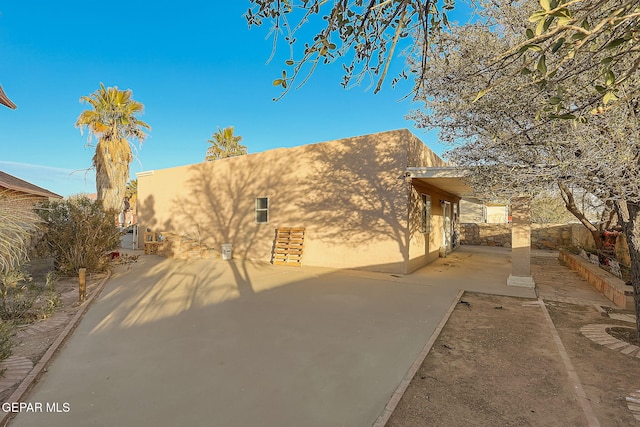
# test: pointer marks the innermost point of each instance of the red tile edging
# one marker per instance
(30, 380)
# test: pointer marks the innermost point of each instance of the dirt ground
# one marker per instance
(496, 364)
(32, 340)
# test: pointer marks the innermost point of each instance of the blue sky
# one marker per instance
(194, 65)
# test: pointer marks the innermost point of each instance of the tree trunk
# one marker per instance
(112, 174)
(570, 203)
(609, 215)
(630, 215)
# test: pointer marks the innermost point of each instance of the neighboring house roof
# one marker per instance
(12, 183)
(4, 100)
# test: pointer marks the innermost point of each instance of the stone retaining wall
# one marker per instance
(543, 236)
(485, 234)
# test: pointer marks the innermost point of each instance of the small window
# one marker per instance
(262, 210)
(426, 213)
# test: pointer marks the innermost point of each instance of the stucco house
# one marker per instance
(22, 193)
(354, 197)
(481, 212)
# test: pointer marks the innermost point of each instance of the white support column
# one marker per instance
(521, 244)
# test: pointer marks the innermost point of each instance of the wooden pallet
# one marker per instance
(288, 246)
(151, 243)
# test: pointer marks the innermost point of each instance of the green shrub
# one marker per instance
(79, 233)
(23, 300)
(16, 300)
(47, 298)
(52, 302)
(18, 307)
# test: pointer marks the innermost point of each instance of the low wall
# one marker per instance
(485, 234)
(607, 284)
(543, 236)
(581, 237)
(181, 247)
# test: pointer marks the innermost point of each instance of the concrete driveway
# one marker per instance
(233, 343)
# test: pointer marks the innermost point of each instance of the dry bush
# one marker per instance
(79, 233)
(18, 223)
(6, 340)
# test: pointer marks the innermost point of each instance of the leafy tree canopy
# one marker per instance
(364, 32)
(560, 38)
(566, 38)
(509, 146)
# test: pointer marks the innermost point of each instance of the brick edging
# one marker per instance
(597, 332)
(29, 381)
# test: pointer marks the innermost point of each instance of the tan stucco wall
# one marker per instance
(471, 212)
(497, 214)
(348, 194)
(420, 255)
(474, 213)
(424, 248)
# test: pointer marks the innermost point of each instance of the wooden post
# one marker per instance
(82, 280)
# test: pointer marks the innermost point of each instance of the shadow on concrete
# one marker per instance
(311, 346)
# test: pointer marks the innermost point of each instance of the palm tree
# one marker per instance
(113, 122)
(132, 191)
(225, 144)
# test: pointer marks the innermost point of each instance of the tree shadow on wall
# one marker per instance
(149, 218)
(357, 192)
(218, 207)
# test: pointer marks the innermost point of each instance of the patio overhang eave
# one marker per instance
(449, 179)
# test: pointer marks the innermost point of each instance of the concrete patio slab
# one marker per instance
(233, 343)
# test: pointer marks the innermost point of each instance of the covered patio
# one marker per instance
(450, 180)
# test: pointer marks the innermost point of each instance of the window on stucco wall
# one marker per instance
(426, 213)
(262, 210)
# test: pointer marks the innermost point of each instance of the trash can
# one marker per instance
(226, 251)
